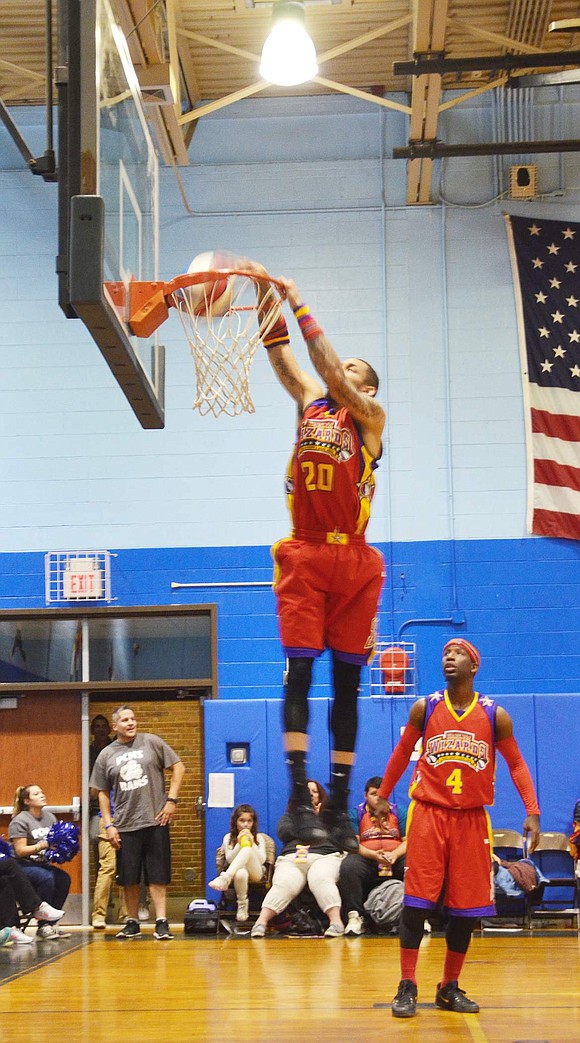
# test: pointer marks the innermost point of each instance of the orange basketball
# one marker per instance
(209, 298)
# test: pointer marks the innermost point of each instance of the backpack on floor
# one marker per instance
(384, 905)
(201, 917)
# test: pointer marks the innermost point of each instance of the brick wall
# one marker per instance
(179, 723)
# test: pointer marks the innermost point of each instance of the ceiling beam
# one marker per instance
(426, 64)
(437, 150)
(429, 34)
(485, 34)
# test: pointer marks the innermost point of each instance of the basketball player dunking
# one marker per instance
(327, 579)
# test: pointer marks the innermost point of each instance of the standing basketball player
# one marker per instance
(448, 830)
(327, 579)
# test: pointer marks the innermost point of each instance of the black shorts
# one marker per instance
(144, 854)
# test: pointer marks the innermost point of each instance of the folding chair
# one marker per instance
(553, 857)
(256, 892)
(508, 845)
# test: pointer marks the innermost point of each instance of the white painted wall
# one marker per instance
(308, 187)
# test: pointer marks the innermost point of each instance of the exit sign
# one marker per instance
(83, 580)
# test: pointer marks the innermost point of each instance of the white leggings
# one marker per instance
(320, 872)
(245, 867)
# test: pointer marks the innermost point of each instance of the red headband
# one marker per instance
(469, 648)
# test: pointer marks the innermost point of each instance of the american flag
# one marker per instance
(546, 268)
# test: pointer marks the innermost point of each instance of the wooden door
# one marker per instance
(40, 744)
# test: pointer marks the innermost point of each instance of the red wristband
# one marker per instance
(308, 325)
(277, 335)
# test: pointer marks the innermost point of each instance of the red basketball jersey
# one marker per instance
(330, 481)
(456, 768)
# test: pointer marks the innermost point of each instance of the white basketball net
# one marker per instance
(223, 346)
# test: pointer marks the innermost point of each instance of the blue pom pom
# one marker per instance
(5, 849)
(63, 842)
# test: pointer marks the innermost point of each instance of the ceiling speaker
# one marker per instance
(523, 182)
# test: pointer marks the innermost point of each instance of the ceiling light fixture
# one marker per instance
(289, 56)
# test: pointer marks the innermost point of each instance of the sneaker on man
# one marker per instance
(258, 930)
(131, 931)
(99, 923)
(451, 997)
(340, 827)
(356, 924)
(307, 825)
(404, 1004)
(162, 932)
(143, 913)
(48, 912)
(19, 937)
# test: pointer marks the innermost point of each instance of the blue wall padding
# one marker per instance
(543, 726)
(231, 722)
(508, 810)
(557, 718)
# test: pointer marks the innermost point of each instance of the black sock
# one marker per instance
(339, 783)
(296, 761)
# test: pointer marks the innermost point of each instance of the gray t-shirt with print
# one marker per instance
(33, 829)
(134, 773)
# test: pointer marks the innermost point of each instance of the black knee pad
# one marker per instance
(411, 927)
(458, 933)
(298, 681)
(344, 715)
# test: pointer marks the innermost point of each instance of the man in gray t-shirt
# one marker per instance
(130, 776)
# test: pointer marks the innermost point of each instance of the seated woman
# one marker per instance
(317, 865)
(245, 854)
(17, 896)
(27, 831)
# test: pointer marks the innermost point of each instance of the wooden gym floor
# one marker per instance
(94, 989)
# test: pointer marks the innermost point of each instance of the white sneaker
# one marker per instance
(243, 910)
(47, 932)
(427, 927)
(99, 923)
(258, 930)
(356, 924)
(143, 913)
(221, 883)
(48, 912)
(336, 930)
(18, 936)
(5, 935)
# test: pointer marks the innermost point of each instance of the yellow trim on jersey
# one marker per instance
(367, 477)
(409, 816)
(273, 552)
(460, 716)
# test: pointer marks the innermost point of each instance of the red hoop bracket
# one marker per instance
(149, 302)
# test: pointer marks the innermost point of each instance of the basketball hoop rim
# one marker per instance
(149, 302)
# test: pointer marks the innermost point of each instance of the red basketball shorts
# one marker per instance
(451, 850)
(328, 596)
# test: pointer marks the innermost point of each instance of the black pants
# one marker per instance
(16, 892)
(358, 877)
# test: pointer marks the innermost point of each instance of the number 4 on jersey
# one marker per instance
(455, 781)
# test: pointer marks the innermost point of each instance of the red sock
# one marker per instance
(409, 958)
(453, 966)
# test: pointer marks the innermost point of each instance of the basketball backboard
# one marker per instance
(108, 197)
